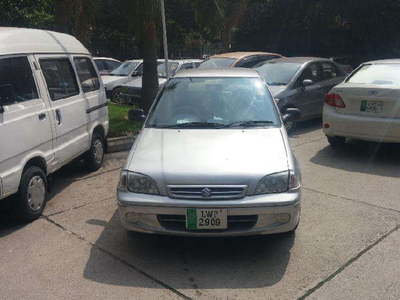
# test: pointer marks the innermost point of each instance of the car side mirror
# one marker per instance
(291, 115)
(136, 73)
(306, 82)
(136, 115)
(6, 96)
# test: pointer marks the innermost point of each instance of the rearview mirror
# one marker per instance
(307, 82)
(6, 95)
(291, 115)
(136, 115)
(136, 73)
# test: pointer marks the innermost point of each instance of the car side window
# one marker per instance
(111, 65)
(267, 57)
(312, 72)
(329, 71)
(60, 78)
(87, 74)
(17, 72)
(248, 62)
(187, 66)
(100, 65)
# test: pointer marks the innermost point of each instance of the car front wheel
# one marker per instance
(32, 194)
(116, 96)
(336, 141)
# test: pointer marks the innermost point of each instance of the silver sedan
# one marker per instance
(213, 159)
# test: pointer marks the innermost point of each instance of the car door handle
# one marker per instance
(42, 117)
(58, 116)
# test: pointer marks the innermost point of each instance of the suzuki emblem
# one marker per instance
(373, 92)
(206, 193)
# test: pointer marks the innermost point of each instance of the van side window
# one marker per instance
(60, 78)
(87, 74)
(17, 72)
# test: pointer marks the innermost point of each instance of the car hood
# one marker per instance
(208, 157)
(137, 82)
(276, 89)
(108, 79)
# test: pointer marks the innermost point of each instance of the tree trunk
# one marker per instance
(150, 76)
(60, 16)
(226, 39)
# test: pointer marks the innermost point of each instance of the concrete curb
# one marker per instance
(120, 143)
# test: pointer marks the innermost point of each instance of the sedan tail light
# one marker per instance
(334, 100)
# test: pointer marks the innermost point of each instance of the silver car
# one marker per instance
(213, 159)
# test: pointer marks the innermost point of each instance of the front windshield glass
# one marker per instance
(172, 67)
(278, 73)
(214, 103)
(216, 63)
(125, 69)
(377, 74)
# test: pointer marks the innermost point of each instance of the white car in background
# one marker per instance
(133, 89)
(106, 65)
(126, 72)
(366, 106)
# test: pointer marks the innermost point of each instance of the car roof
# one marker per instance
(384, 61)
(23, 40)
(238, 55)
(228, 72)
(106, 58)
(300, 60)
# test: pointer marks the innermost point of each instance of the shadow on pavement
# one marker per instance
(362, 157)
(306, 127)
(191, 263)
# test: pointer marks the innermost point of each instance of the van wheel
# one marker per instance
(336, 141)
(94, 157)
(116, 96)
(32, 194)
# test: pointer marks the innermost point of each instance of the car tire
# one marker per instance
(116, 96)
(32, 194)
(290, 126)
(94, 157)
(336, 141)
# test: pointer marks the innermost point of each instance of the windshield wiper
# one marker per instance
(249, 123)
(191, 124)
(276, 83)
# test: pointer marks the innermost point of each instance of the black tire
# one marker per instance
(116, 96)
(31, 189)
(290, 126)
(336, 141)
(94, 157)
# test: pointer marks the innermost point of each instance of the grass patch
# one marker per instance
(119, 122)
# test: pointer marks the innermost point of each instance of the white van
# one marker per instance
(53, 109)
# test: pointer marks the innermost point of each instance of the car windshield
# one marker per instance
(214, 103)
(125, 69)
(278, 73)
(377, 74)
(215, 63)
(172, 67)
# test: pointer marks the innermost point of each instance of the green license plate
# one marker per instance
(206, 218)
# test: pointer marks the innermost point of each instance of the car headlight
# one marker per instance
(279, 182)
(274, 183)
(138, 183)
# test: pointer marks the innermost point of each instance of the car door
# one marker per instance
(308, 99)
(25, 124)
(67, 105)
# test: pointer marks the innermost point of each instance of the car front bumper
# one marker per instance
(373, 129)
(252, 215)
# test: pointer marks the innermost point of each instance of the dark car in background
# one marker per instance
(237, 60)
(301, 82)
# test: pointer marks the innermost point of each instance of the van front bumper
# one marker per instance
(251, 215)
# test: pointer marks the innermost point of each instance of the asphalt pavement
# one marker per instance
(346, 247)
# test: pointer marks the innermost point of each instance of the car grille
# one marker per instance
(235, 223)
(207, 192)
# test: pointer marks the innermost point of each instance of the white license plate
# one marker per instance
(206, 218)
(372, 106)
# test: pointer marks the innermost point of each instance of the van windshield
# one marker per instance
(214, 103)
(125, 69)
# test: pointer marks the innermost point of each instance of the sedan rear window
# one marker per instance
(214, 102)
(275, 73)
(216, 63)
(377, 74)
